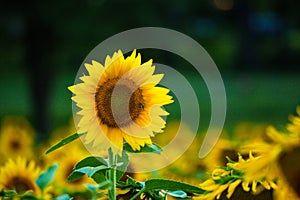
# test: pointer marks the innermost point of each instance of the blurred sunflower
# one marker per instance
(56, 136)
(249, 132)
(67, 161)
(188, 167)
(120, 101)
(16, 138)
(20, 175)
(288, 159)
(222, 149)
(170, 133)
(184, 164)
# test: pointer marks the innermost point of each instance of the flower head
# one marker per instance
(19, 175)
(120, 102)
(16, 138)
(67, 161)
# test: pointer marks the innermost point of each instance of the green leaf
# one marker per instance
(74, 176)
(164, 184)
(152, 148)
(64, 141)
(130, 184)
(91, 161)
(90, 171)
(95, 187)
(177, 193)
(122, 168)
(8, 193)
(45, 178)
(28, 197)
(99, 177)
(105, 185)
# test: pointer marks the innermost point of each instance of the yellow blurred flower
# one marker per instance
(247, 131)
(222, 149)
(16, 138)
(104, 96)
(20, 175)
(69, 157)
(169, 133)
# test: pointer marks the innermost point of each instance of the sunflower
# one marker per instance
(222, 149)
(120, 102)
(248, 131)
(288, 159)
(239, 184)
(188, 167)
(16, 138)
(280, 157)
(272, 174)
(20, 175)
(66, 162)
(260, 169)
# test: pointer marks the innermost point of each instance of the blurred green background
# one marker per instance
(255, 44)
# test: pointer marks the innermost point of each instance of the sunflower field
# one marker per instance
(254, 161)
(149, 100)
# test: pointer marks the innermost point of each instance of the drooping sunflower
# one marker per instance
(238, 179)
(20, 175)
(119, 102)
(16, 138)
(288, 159)
(272, 174)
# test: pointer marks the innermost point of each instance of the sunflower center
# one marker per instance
(118, 102)
(20, 184)
(15, 144)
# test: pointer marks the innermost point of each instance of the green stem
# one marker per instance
(112, 161)
(137, 194)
